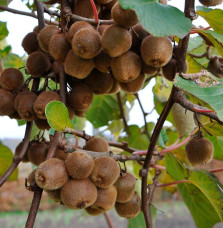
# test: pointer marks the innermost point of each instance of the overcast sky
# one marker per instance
(19, 26)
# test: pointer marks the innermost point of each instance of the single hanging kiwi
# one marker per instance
(6, 104)
(30, 43)
(97, 144)
(11, 79)
(18, 150)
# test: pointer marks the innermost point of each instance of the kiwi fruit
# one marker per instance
(100, 83)
(11, 79)
(30, 43)
(37, 152)
(38, 63)
(51, 174)
(116, 40)
(105, 199)
(138, 33)
(125, 186)
(97, 144)
(78, 194)
(59, 46)
(80, 97)
(31, 179)
(79, 165)
(83, 8)
(215, 66)
(60, 154)
(94, 211)
(102, 62)
(42, 101)
(122, 17)
(45, 35)
(75, 27)
(102, 28)
(164, 2)
(80, 113)
(54, 194)
(148, 69)
(105, 14)
(15, 115)
(184, 121)
(156, 51)
(18, 98)
(115, 87)
(210, 2)
(42, 124)
(25, 108)
(110, 4)
(105, 173)
(126, 67)
(199, 150)
(17, 152)
(6, 104)
(102, 2)
(129, 209)
(133, 86)
(86, 43)
(77, 67)
(1, 66)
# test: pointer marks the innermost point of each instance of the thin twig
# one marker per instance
(5, 8)
(144, 115)
(173, 183)
(216, 170)
(108, 219)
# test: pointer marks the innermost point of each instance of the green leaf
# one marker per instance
(161, 91)
(214, 193)
(79, 122)
(194, 42)
(5, 51)
(3, 30)
(215, 38)
(116, 126)
(13, 60)
(138, 221)
(136, 139)
(211, 95)
(214, 19)
(175, 167)
(203, 213)
(6, 157)
(104, 109)
(21, 122)
(193, 65)
(163, 138)
(153, 17)
(58, 116)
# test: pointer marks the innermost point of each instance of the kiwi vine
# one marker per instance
(100, 48)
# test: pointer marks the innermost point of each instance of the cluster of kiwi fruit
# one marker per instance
(81, 182)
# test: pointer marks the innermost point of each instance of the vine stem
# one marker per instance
(216, 170)
(108, 219)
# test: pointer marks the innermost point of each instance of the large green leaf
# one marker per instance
(136, 139)
(215, 38)
(214, 19)
(3, 30)
(162, 91)
(211, 95)
(13, 60)
(153, 17)
(58, 116)
(203, 213)
(174, 167)
(6, 157)
(104, 109)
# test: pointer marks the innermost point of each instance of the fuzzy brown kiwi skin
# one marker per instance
(199, 150)
(11, 79)
(129, 209)
(78, 194)
(51, 174)
(75, 27)
(45, 35)
(18, 98)
(38, 63)
(105, 173)
(86, 43)
(42, 124)
(94, 211)
(124, 18)
(42, 101)
(80, 97)
(133, 86)
(148, 69)
(97, 144)
(30, 43)
(77, 67)
(79, 165)
(25, 108)
(103, 62)
(6, 104)
(126, 67)
(156, 51)
(37, 152)
(54, 195)
(100, 83)
(125, 186)
(115, 87)
(116, 40)
(210, 2)
(18, 150)
(59, 47)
